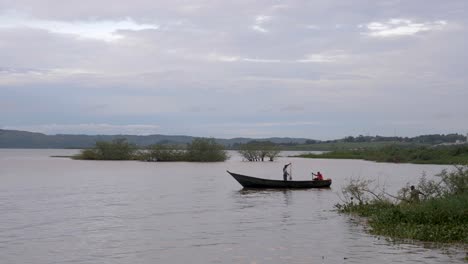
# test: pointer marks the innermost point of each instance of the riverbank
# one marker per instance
(437, 220)
(401, 154)
(441, 215)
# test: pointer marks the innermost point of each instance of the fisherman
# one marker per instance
(414, 194)
(319, 176)
(285, 172)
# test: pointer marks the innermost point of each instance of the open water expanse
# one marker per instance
(58, 210)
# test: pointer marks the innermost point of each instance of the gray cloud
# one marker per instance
(184, 65)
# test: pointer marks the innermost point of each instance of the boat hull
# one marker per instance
(252, 182)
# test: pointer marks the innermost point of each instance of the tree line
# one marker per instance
(433, 139)
(455, 154)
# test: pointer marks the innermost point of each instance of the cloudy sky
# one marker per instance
(315, 69)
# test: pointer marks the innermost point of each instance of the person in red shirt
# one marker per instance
(318, 177)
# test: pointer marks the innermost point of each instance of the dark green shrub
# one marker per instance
(164, 153)
(205, 150)
(117, 149)
(442, 215)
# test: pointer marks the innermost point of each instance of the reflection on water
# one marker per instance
(255, 198)
(63, 211)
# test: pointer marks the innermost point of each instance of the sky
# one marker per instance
(313, 69)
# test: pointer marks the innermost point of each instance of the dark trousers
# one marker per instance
(285, 176)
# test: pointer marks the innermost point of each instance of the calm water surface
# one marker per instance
(57, 210)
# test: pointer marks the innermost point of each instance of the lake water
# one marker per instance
(58, 210)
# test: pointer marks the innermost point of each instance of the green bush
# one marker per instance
(117, 149)
(205, 150)
(442, 220)
(88, 154)
(165, 153)
(200, 150)
(442, 216)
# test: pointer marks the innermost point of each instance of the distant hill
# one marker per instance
(24, 139)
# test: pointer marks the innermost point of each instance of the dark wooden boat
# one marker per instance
(252, 182)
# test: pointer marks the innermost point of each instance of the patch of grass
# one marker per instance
(340, 145)
(402, 154)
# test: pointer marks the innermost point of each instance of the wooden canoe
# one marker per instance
(252, 182)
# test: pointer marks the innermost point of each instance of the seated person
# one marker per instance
(319, 176)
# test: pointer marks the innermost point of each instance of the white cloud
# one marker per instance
(281, 124)
(106, 30)
(259, 29)
(23, 76)
(262, 19)
(323, 57)
(400, 27)
(261, 60)
(227, 58)
(21, 71)
(259, 22)
(222, 58)
(328, 56)
(267, 124)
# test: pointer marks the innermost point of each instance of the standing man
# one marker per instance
(414, 194)
(285, 172)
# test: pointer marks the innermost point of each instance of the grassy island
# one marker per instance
(200, 150)
(435, 210)
(456, 154)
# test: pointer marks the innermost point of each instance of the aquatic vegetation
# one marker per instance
(200, 150)
(457, 154)
(440, 216)
(117, 149)
(259, 150)
(204, 150)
